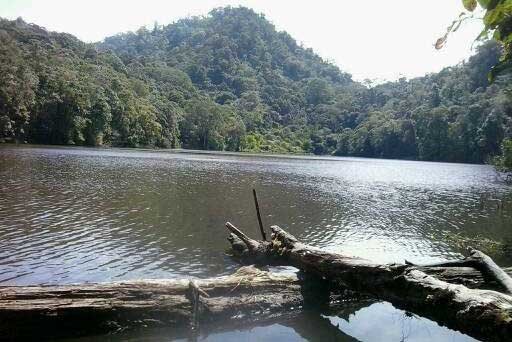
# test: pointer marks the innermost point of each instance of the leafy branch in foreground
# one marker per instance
(497, 20)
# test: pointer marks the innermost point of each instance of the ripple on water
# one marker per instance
(72, 215)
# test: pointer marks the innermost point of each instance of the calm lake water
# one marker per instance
(71, 215)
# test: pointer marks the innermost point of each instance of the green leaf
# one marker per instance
(488, 4)
(470, 5)
(497, 35)
(496, 16)
(484, 3)
(506, 40)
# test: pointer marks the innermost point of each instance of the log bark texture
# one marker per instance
(256, 295)
(481, 313)
(28, 311)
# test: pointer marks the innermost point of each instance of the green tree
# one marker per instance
(433, 135)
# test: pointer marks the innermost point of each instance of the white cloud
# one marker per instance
(370, 38)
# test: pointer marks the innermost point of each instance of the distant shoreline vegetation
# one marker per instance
(180, 150)
(230, 82)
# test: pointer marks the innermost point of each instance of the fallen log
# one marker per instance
(105, 307)
(481, 262)
(484, 314)
(462, 274)
(249, 294)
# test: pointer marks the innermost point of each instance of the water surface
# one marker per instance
(72, 215)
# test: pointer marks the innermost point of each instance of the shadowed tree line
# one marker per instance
(230, 81)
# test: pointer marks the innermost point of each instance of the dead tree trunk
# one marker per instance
(251, 294)
(35, 311)
(484, 314)
(74, 310)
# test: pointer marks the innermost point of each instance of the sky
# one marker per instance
(371, 39)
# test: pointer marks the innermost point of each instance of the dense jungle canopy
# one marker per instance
(231, 81)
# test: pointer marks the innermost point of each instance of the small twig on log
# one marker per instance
(263, 235)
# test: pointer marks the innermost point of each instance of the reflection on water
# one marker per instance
(357, 322)
(71, 215)
(382, 322)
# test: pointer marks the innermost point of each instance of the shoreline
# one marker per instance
(296, 156)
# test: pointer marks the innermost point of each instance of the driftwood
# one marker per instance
(482, 313)
(258, 215)
(251, 295)
(481, 262)
(94, 308)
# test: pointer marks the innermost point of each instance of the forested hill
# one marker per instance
(230, 81)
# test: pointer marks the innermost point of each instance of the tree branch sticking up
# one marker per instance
(480, 313)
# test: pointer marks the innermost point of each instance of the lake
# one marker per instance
(71, 215)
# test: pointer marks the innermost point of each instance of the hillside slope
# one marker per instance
(230, 81)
